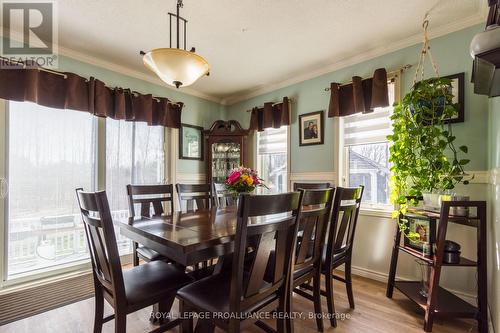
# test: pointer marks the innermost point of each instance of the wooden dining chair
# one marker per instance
(126, 291)
(221, 196)
(151, 199)
(314, 219)
(240, 292)
(310, 186)
(340, 239)
(194, 193)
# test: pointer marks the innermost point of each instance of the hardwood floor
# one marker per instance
(374, 313)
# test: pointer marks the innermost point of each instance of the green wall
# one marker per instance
(452, 55)
(197, 111)
(494, 212)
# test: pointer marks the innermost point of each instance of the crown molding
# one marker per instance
(92, 60)
(476, 18)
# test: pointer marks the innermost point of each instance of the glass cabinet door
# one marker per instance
(225, 157)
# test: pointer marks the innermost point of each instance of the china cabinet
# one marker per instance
(226, 143)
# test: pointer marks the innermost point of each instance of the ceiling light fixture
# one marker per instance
(175, 66)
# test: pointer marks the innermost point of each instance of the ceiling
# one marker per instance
(253, 44)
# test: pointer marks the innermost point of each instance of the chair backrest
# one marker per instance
(313, 222)
(346, 205)
(310, 186)
(276, 233)
(221, 196)
(150, 196)
(101, 241)
(194, 193)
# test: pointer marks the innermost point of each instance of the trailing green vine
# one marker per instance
(423, 153)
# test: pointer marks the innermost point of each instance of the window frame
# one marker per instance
(255, 156)
(79, 266)
(379, 210)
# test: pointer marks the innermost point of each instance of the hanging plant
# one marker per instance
(423, 153)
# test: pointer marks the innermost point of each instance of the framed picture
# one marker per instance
(457, 89)
(191, 142)
(425, 227)
(311, 128)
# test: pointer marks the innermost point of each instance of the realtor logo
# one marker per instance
(29, 32)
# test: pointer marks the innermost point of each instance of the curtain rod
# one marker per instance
(289, 101)
(19, 62)
(401, 69)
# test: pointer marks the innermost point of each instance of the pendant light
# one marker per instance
(175, 66)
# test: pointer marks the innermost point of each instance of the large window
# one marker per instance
(272, 158)
(134, 155)
(366, 153)
(50, 153)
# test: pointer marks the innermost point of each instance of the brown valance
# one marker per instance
(70, 91)
(362, 95)
(271, 115)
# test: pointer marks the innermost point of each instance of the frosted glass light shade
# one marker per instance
(176, 67)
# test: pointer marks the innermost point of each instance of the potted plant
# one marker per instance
(425, 160)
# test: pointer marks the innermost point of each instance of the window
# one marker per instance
(366, 153)
(272, 158)
(134, 155)
(50, 153)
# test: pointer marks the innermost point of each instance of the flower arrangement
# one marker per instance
(243, 180)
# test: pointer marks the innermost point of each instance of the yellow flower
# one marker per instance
(249, 180)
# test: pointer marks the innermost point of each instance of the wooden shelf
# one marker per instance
(463, 220)
(430, 260)
(441, 301)
(447, 303)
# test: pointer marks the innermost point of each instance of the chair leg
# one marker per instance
(99, 310)
(186, 320)
(162, 309)
(317, 300)
(234, 326)
(135, 257)
(329, 297)
(348, 283)
(120, 322)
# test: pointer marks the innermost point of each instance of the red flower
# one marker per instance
(256, 180)
(233, 177)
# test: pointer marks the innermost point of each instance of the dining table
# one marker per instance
(186, 238)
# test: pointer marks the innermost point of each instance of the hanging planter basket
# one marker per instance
(425, 161)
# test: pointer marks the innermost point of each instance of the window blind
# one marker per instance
(370, 127)
(272, 141)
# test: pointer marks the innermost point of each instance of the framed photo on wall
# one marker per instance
(457, 89)
(311, 128)
(191, 142)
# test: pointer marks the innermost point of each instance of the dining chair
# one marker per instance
(194, 193)
(221, 196)
(339, 243)
(311, 186)
(126, 291)
(239, 292)
(313, 222)
(151, 199)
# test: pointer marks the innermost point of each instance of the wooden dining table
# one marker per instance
(191, 237)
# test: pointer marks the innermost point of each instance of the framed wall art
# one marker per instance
(191, 142)
(311, 128)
